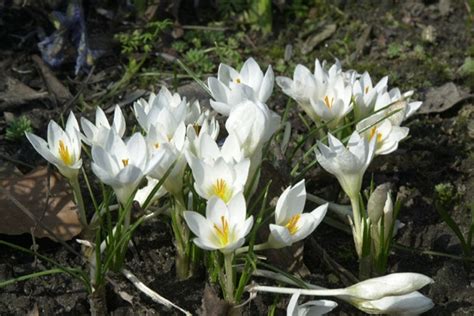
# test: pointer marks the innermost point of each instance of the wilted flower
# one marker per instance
(121, 165)
(291, 224)
(95, 134)
(63, 148)
(225, 226)
(232, 87)
(347, 164)
(311, 308)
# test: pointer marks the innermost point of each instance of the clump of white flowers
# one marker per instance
(178, 162)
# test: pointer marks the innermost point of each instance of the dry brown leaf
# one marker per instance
(32, 190)
(440, 99)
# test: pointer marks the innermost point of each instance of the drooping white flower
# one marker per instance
(413, 303)
(291, 224)
(219, 178)
(225, 226)
(347, 163)
(311, 308)
(231, 87)
(95, 134)
(205, 148)
(386, 134)
(366, 94)
(388, 285)
(122, 165)
(63, 148)
(253, 124)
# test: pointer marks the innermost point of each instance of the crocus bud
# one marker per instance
(377, 200)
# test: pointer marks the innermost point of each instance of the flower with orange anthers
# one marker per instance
(63, 148)
(219, 178)
(380, 127)
(291, 224)
(225, 226)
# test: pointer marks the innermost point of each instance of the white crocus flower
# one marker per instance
(347, 163)
(301, 88)
(219, 178)
(94, 134)
(413, 303)
(253, 124)
(63, 148)
(149, 112)
(291, 224)
(231, 87)
(164, 152)
(225, 226)
(205, 148)
(386, 99)
(366, 94)
(311, 308)
(386, 134)
(331, 100)
(121, 164)
(387, 285)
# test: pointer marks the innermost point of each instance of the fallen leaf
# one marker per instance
(60, 214)
(313, 41)
(440, 99)
(17, 93)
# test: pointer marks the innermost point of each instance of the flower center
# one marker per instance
(292, 224)
(197, 128)
(157, 145)
(237, 80)
(328, 102)
(223, 231)
(366, 90)
(125, 162)
(221, 190)
(64, 154)
(373, 132)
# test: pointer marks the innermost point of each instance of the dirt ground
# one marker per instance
(421, 45)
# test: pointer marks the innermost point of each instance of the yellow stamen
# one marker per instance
(223, 231)
(221, 190)
(66, 157)
(197, 128)
(237, 80)
(157, 145)
(327, 102)
(125, 162)
(292, 224)
(366, 89)
(373, 132)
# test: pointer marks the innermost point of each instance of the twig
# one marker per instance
(150, 293)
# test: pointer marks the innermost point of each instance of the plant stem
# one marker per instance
(181, 239)
(76, 188)
(343, 211)
(229, 273)
(258, 247)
